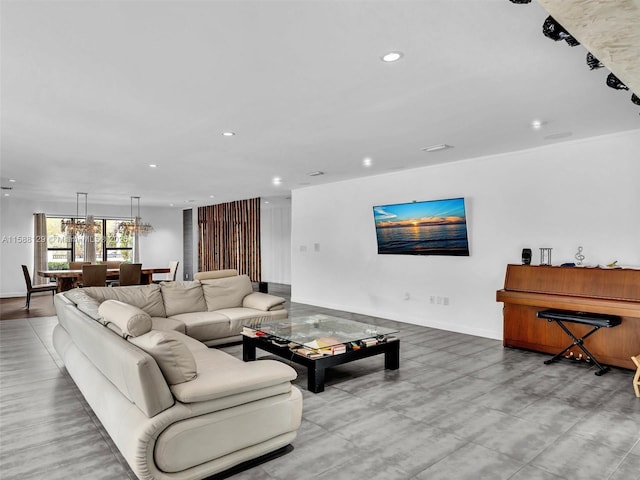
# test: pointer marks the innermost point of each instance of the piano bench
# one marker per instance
(596, 320)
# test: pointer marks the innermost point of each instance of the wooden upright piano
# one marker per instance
(529, 289)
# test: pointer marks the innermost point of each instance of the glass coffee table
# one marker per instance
(319, 342)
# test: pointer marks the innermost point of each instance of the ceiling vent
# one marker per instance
(436, 148)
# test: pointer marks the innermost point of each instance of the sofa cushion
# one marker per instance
(204, 326)
(226, 292)
(145, 297)
(215, 274)
(244, 317)
(221, 375)
(84, 302)
(182, 297)
(170, 353)
(162, 323)
(263, 301)
(131, 320)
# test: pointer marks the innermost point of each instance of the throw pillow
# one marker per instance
(131, 320)
(182, 297)
(226, 292)
(172, 356)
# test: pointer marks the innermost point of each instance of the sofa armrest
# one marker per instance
(217, 381)
(263, 301)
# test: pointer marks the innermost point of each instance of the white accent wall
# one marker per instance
(582, 193)
(156, 250)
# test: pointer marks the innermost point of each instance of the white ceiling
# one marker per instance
(95, 91)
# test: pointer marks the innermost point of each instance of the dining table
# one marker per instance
(66, 279)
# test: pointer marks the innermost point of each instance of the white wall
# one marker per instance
(156, 250)
(583, 193)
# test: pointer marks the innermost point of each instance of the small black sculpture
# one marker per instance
(614, 82)
(593, 62)
(557, 32)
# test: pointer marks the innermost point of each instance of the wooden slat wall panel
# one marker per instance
(230, 237)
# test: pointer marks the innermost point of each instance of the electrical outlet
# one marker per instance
(439, 300)
(445, 301)
(407, 296)
(432, 299)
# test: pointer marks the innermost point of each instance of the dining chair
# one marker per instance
(171, 276)
(77, 265)
(130, 274)
(94, 276)
(112, 264)
(37, 288)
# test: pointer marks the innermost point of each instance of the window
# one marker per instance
(118, 246)
(109, 243)
(59, 247)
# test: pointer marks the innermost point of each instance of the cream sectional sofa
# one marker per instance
(176, 409)
(211, 309)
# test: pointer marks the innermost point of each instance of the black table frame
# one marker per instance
(316, 366)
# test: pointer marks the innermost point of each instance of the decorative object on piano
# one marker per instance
(579, 256)
(545, 256)
(526, 256)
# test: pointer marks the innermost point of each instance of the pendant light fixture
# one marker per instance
(135, 226)
(78, 225)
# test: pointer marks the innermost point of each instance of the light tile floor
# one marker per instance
(460, 407)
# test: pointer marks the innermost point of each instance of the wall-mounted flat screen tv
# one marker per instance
(435, 227)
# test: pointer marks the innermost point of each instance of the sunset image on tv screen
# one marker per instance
(436, 227)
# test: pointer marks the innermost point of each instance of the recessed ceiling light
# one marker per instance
(315, 174)
(435, 148)
(212, 196)
(537, 124)
(153, 165)
(367, 162)
(6, 195)
(12, 180)
(228, 134)
(277, 180)
(391, 57)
